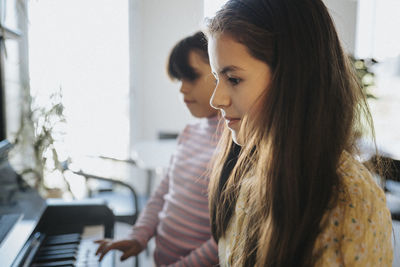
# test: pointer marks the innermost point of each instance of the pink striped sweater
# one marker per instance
(177, 213)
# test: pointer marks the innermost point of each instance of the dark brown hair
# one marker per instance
(178, 63)
(308, 116)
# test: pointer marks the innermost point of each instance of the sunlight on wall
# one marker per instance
(82, 47)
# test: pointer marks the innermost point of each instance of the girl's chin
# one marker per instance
(235, 138)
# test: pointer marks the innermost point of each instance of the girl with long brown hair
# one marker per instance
(288, 191)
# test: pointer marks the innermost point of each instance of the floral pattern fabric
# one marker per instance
(359, 228)
(357, 232)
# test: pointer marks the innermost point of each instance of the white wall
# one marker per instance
(155, 26)
(344, 14)
(378, 23)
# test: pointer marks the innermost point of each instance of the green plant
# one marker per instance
(39, 133)
(365, 75)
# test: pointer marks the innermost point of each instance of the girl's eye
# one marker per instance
(234, 81)
(195, 76)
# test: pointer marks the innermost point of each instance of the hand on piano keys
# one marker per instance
(128, 247)
(72, 249)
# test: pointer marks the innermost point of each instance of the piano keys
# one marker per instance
(47, 242)
(41, 233)
(74, 249)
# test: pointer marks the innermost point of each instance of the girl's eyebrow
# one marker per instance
(229, 68)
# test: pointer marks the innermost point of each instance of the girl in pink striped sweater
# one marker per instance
(177, 213)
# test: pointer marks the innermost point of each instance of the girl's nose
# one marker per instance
(220, 98)
(185, 87)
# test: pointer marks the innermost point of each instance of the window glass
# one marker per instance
(82, 47)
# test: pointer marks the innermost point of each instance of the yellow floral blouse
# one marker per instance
(358, 230)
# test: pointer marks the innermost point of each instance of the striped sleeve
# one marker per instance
(146, 225)
(177, 214)
(205, 255)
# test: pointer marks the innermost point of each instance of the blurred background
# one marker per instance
(104, 62)
(84, 85)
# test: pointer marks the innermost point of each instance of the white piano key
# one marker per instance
(86, 254)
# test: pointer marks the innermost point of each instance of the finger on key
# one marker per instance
(102, 244)
(106, 250)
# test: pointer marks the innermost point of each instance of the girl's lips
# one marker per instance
(232, 121)
(189, 101)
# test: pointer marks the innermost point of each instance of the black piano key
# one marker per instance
(61, 242)
(55, 264)
(57, 257)
(59, 247)
(73, 235)
(58, 237)
(50, 238)
(57, 251)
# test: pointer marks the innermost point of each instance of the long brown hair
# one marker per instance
(306, 119)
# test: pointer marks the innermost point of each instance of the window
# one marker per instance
(82, 47)
(12, 46)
